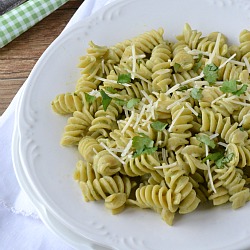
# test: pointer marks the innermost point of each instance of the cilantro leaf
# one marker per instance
(143, 145)
(111, 90)
(240, 91)
(120, 101)
(213, 156)
(223, 160)
(196, 93)
(176, 67)
(105, 100)
(231, 87)
(183, 88)
(158, 125)
(210, 73)
(198, 64)
(124, 78)
(132, 102)
(89, 98)
(206, 140)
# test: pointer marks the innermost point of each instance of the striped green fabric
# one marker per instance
(23, 17)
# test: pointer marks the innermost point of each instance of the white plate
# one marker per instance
(48, 167)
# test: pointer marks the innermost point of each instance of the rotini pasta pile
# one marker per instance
(160, 124)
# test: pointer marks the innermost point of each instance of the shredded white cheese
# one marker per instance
(191, 109)
(127, 148)
(247, 63)
(129, 122)
(108, 149)
(193, 79)
(240, 103)
(228, 60)
(139, 116)
(133, 62)
(138, 76)
(213, 136)
(175, 119)
(209, 170)
(218, 98)
(177, 102)
(215, 50)
(166, 166)
(222, 144)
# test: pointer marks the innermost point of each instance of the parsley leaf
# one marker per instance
(210, 73)
(213, 156)
(198, 64)
(143, 145)
(176, 67)
(196, 93)
(111, 90)
(206, 140)
(223, 160)
(105, 100)
(120, 101)
(132, 102)
(158, 125)
(183, 88)
(89, 98)
(231, 87)
(124, 78)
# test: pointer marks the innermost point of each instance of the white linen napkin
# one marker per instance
(20, 226)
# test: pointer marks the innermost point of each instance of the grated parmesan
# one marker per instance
(247, 63)
(209, 171)
(108, 149)
(228, 60)
(175, 119)
(166, 166)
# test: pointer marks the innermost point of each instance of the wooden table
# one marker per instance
(18, 57)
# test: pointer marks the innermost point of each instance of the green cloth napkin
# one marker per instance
(23, 17)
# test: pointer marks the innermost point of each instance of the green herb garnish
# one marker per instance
(214, 156)
(111, 90)
(132, 102)
(89, 98)
(120, 101)
(124, 78)
(176, 67)
(143, 145)
(183, 88)
(231, 87)
(196, 93)
(105, 100)
(198, 64)
(158, 125)
(210, 73)
(224, 160)
(206, 140)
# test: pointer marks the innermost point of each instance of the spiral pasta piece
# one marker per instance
(157, 198)
(106, 164)
(113, 190)
(179, 132)
(183, 194)
(215, 123)
(140, 165)
(241, 155)
(88, 146)
(67, 103)
(233, 181)
(105, 121)
(84, 171)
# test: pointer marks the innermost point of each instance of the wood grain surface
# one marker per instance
(18, 57)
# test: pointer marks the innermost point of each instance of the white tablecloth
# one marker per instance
(20, 226)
